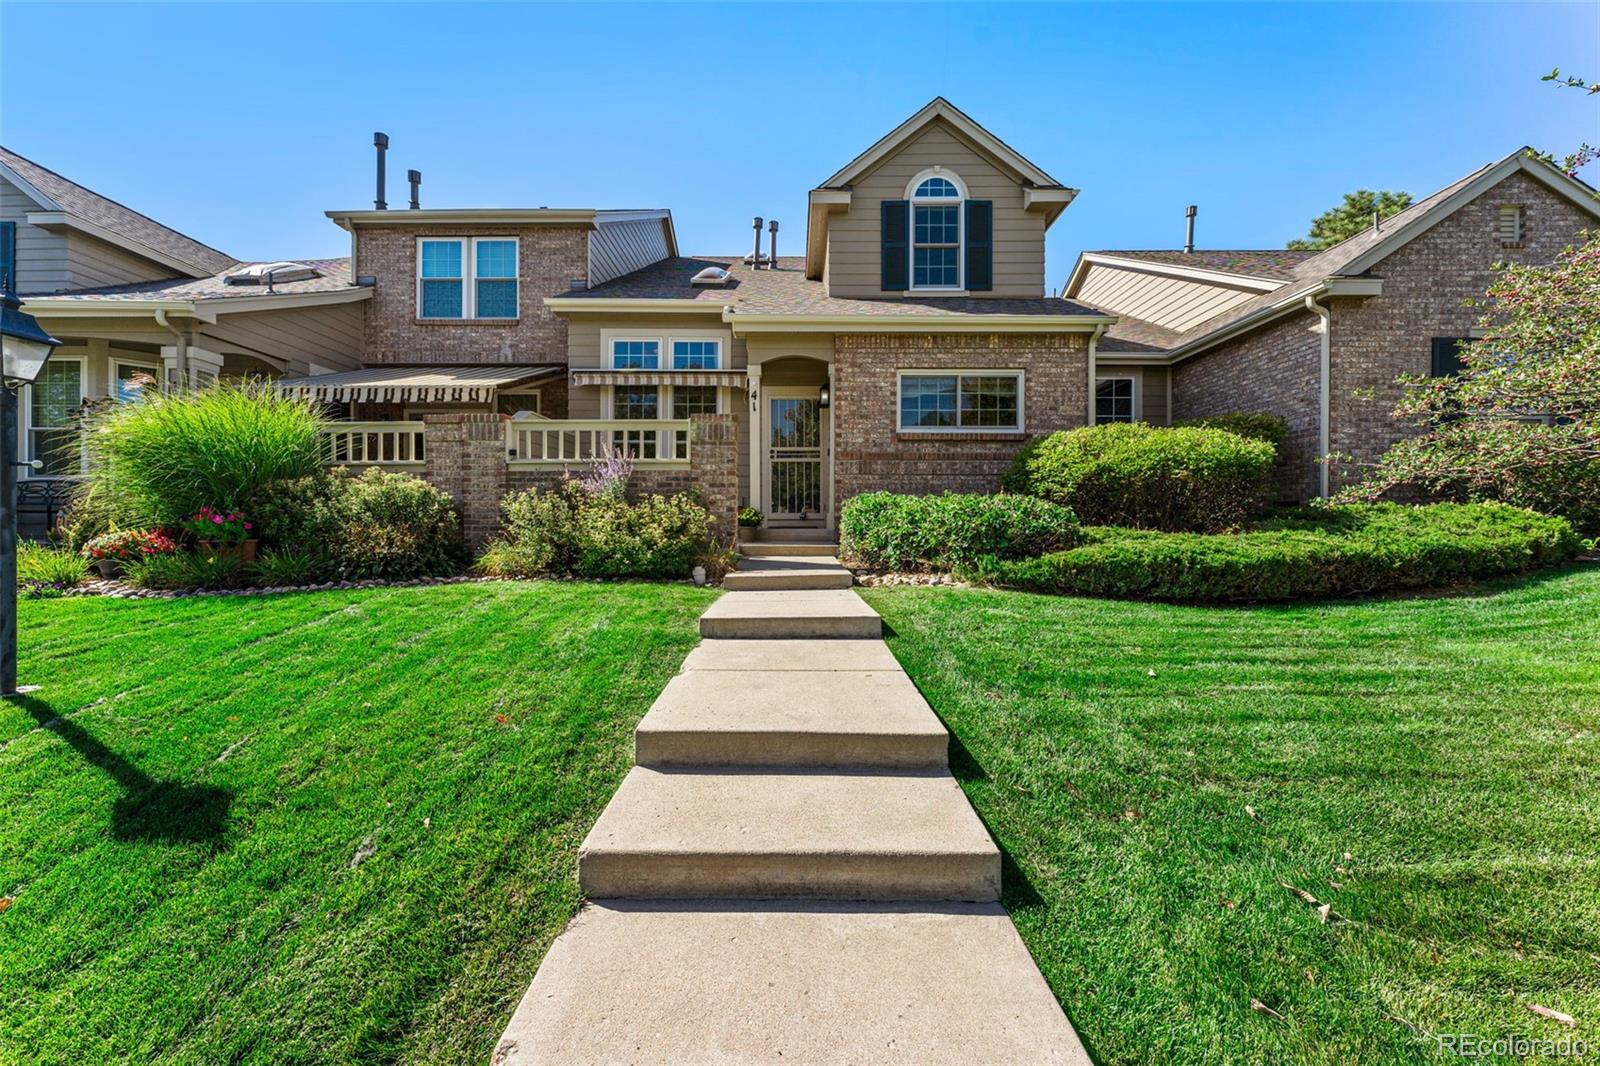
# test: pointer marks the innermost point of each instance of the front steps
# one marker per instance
(734, 982)
(734, 833)
(790, 873)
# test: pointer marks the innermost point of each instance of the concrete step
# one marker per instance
(735, 982)
(775, 615)
(806, 655)
(780, 530)
(736, 718)
(788, 572)
(818, 835)
(765, 549)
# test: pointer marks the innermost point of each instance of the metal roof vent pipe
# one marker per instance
(772, 245)
(380, 141)
(415, 178)
(755, 253)
(1188, 237)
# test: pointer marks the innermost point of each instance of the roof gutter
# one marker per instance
(1324, 365)
(181, 357)
(1094, 343)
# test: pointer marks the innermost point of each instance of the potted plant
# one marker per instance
(750, 518)
(222, 533)
(107, 552)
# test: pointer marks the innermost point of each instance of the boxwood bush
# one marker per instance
(1145, 477)
(1251, 425)
(889, 531)
(1308, 553)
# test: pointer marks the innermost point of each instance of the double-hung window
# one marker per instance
(635, 355)
(1113, 400)
(961, 401)
(54, 401)
(696, 355)
(688, 400)
(467, 277)
(936, 234)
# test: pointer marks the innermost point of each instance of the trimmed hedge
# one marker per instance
(888, 531)
(1309, 553)
(1256, 425)
(1145, 477)
(597, 534)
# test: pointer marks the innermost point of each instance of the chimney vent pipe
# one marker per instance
(415, 178)
(755, 255)
(1188, 237)
(772, 245)
(380, 141)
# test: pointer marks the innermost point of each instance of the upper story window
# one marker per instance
(635, 355)
(467, 277)
(696, 355)
(936, 231)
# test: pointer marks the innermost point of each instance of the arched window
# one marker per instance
(936, 238)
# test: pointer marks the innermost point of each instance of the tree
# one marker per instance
(1520, 422)
(1573, 161)
(1351, 217)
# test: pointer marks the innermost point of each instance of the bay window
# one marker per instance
(958, 401)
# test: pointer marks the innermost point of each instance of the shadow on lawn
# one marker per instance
(148, 810)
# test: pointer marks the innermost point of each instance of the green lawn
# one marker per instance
(1429, 767)
(329, 827)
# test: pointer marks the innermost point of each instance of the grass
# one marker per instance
(1429, 767)
(329, 827)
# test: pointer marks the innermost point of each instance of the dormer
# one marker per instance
(939, 207)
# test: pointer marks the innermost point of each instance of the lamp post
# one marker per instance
(25, 348)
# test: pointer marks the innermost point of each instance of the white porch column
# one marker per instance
(204, 366)
(827, 504)
(753, 372)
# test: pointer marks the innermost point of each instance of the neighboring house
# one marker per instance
(135, 301)
(1320, 337)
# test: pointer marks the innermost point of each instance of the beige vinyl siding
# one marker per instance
(1176, 303)
(328, 336)
(41, 255)
(92, 263)
(853, 237)
(1155, 409)
(618, 248)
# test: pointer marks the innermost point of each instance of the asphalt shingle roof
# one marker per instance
(124, 221)
(1272, 264)
(787, 291)
(332, 275)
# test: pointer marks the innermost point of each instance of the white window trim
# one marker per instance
(117, 363)
(608, 401)
(988, 372)
(611, 354)
(469, 277)
(1137, 390)
(537, 394)
(961, 228)
(671, 356)
(25, 419)
(665, 340)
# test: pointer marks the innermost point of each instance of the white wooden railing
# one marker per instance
(374, 444)
(648, 442)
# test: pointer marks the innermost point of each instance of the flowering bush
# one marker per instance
(608, 477)
(128, 544)
(210, 524)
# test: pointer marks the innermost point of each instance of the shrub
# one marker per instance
(1252, 426)
(658, 536)
(128, 544)
(597, 534)
(888, 531)
(165, 456)
(42, 570)
(749, 516)
(1132, 474)
(89, 514)
(1305, 554)
(398, 526)
(185, 570)
(283, 566)
(303, 514)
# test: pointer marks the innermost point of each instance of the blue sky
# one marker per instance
(240, 124)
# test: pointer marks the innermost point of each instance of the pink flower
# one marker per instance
(217, 519)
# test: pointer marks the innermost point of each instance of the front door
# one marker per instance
(794, 454)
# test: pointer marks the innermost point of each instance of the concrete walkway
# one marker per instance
(789, 873)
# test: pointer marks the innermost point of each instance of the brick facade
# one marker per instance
(1425, 284)
(871, 454)
(1274, 369)
(466, 458)
(549, 258)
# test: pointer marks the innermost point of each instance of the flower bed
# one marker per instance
(1310, 553)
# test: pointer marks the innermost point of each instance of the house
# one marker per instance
(1320, 337)
(135, 301)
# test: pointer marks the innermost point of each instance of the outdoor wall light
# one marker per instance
(824, 397)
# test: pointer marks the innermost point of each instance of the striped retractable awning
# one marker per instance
(728, 379)
(415, 384)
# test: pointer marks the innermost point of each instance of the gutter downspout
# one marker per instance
(181, 361)
(1094, 344)
(1323, 369)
